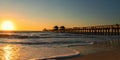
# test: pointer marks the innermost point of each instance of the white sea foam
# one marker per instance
(60, 53)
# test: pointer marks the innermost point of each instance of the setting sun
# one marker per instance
(7, 25)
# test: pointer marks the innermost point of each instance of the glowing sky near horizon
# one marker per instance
(39, 14)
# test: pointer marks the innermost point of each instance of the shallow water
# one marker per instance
(19, 52)
(40, 45)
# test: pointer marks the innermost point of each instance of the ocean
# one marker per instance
(46, 45)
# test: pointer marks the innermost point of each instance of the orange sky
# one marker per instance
(31, 25)
(23, 25)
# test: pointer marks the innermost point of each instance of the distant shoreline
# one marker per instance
(19, 31)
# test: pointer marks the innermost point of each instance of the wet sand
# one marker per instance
(113, 54)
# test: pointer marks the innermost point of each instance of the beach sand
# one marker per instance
(113, 54)
(109, 50)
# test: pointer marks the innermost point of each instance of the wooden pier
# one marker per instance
(96, 30)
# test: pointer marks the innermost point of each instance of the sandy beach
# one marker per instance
(113, 54)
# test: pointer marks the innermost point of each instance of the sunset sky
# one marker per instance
(39, 14)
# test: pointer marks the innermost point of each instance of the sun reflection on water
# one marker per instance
(10, 52)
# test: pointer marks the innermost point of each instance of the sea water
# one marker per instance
(43, 45)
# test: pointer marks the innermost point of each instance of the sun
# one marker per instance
(7, 25)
